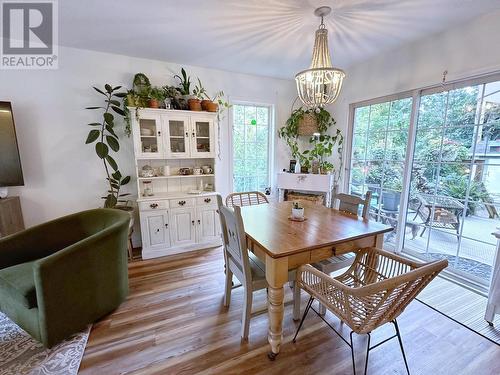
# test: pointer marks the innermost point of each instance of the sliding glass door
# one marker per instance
(380, 140)
(432, 163)
(454, 192)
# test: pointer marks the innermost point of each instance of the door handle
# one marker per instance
(194, 135)
(157, 230)
(153, 205)
(166, 225)
(208, 200)
(182, 203)
(192, 221)
(199, 222)
(159, 133)
(187, 134)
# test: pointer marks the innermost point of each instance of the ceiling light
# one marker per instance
(321, 83)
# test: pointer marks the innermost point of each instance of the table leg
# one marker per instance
(276, 276)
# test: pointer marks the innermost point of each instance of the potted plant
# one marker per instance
(172, 96)
(297, 211)
(156, 97)
(199, 93)
(326, 167)
(391, 193)
(184, 87)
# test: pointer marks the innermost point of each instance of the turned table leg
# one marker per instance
(276, 276)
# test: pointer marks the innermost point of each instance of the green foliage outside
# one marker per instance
(444, 142)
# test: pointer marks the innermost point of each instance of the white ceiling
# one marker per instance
(265, 37)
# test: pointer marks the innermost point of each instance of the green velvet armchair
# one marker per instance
(57, 277)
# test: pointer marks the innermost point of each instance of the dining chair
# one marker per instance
(351, 205)
(243, 264)
(375, 290)
(248, 198)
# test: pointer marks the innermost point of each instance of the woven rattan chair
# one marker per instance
(248, 198)
(373, 291)
(248, 269)
(349, 204)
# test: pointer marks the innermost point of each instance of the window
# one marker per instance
(431, 159)
(252, 131)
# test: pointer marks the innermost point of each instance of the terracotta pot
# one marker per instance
(204, 103)
(212, 107)
(194, 104)
(154, 103)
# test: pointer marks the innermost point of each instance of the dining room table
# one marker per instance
(283, 245)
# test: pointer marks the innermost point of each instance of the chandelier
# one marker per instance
(321, 83)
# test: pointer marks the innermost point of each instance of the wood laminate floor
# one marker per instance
(174, 322)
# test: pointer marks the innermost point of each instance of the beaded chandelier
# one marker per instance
(321, 83)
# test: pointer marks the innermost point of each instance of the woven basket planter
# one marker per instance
(308, 125)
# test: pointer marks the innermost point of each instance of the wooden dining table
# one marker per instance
(285, 245)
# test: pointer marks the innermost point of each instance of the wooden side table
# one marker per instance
(11, 216)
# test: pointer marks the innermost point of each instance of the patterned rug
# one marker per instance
(20, 354)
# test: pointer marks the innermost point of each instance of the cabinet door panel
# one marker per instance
(183, 226)
(154, 228)
(177, 136)
(208, 224)
(202, 137)
(148, 136)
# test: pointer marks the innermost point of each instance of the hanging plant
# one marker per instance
(323, 145)
(106, 141)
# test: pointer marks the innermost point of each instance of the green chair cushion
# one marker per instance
(18, 283)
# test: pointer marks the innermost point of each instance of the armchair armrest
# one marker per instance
(82, 282)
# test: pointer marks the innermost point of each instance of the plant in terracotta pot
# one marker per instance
(199, 93)
(156, 97)
(173, 95)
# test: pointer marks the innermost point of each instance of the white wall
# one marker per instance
(471, 49)
(62, 174)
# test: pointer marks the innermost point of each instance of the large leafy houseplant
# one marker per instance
(106, 141)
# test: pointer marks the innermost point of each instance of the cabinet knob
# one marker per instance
(194, 135)
(187, 134)
(192, 222)
(159, 133)
(157, 230)
(182, 203)
(199, 221)
(153, 205)
(208, 200)
(166, 225)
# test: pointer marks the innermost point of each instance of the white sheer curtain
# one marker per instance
(493, 306)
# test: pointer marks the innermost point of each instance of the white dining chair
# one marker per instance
(241, 263)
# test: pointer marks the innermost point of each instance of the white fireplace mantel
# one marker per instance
(314, 183)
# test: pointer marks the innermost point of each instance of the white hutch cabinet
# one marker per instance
(181, 214)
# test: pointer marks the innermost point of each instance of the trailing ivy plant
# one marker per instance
(106, 141)
(323, 145)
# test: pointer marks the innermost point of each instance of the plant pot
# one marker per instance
(154, 103)
(326, 171)
(304, 169)
(390, 200)
(194, 104)
(131, 100)
(204, 103)
(212, 107)
(308, 125)
(298, 213)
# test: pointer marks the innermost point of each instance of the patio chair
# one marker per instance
(349, 204)
(375, 290)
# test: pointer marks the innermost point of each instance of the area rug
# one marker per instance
(22, 355)
(461, 305)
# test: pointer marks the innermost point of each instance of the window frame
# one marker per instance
(271, 139)
(416, 95)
